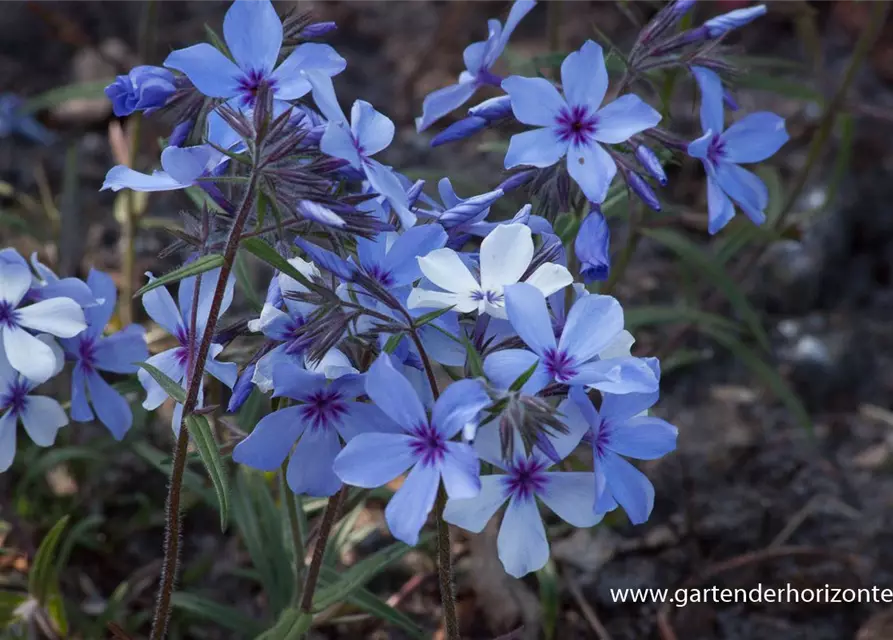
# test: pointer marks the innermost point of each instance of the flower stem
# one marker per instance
(173, 516)
(445, 569)
(329, 516)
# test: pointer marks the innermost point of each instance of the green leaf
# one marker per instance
(566, 227)
(43, 578)
(521, 380)
(393, 342)
(645, 316)
(194, 268)
(766, 373)
(191, 480)
(473, 360)
(222, 615)
(549, 598)
(54, 97)
(170, 387)
(691, 254)
(200, 430)
(243, 279)
(268, 254)
(201, 199)
(53, 458)
(292, 625)
(367, 601)
(9, 602)
(430, 317)
(359, 574)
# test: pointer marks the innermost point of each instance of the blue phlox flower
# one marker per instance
(92, 352)
(621, 428)
(592, 246)
(144, 88)
(14, 120)
(41, 416)
(46, 284)
(175, 363)
(593, 323)
(61, 317)
(752, 139)
(575, 124)
(457, 214)
(181, 168)
(479, 57)
(368, 133)
(328, 414)
(505, 256)
(522, 544)
(424, 444)
(253, 34)
(392, 258)
(722, 24)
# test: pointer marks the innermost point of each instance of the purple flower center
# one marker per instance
(576, 125)
(378, 273)
(559, 364)
(8, 314)
(490, 297)
(15, 398)
(526, 477)
(716, 151)
(601, 438)
(250, 83)
(429, 445)
(87, 353)
(182, 352)
(323, 408)
(298, 342)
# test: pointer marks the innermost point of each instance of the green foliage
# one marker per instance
(54, 97)
(200, 430)
(194, 268)
(263, 251)
(171, 388)
(550, 598)
(221, 615)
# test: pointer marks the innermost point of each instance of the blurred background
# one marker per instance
(784, 472)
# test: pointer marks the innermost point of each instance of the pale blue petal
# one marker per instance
(16, 280)
(527, 311)
(271, 440)
(169, 363)
(310, 468)
(520, 8)
(755, 137)
(643, 438)
(711, 99)
(720, 209)
(364, 418)
(7, 440)
(460, 470)
(629, 487)
(522, 543)
(504, 367)
(226, 372)
(617, 375)
(212, 73)
(273, 323)
(458, 405)
(473, 514)
(372, 130)
(28, 355)
(592, 168)
(571, 495)
(537, 148)
(593, 322)
(402, 257)
(295, 382)
(98, 315)
(118, 352)
(324, 95)
(80, 406)
(473, 56)
(623, 118)
(111, 408)
(488, 445)
(535, 101)
(372, 460)
(442, 101)
(393, 394)
(584, 77)
(386, 183)
(628, 405)
(317, 59)
(441, 348)
(698, 148)
(447, 193)
(186, 164)
(408, 509)
(160, 306)
(573, 416)
(122, 177)
(207, 283)
(746, 189)
(62, 317)
(42, 418)
(253, 33)
(338, 142)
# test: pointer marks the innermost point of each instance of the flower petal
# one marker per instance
(102, 287)
(28, 355)
(401, 261)
(505, 255)
(61, 317)
(121, 177)
(720, 209)
(458, 405)
(427, 299)
(80, 405)
(460, 471)
(442, 101)
(362, 417)
(310, 468)
(271, 440)
(570, 495)
(408, 509)
(550, 277)
(338, 141)
(371, 460)
(623, 118)
(506, 366)
(488, 445)
(584, 77)
(372, 130)
(629, 487)
(578, 420)
(473, 514)
(186, 164)
(535, 101)
(8, 423)
(592, 168)
(207, 284)
(711, 99)
(620, 407)
(643, 438)
(444, 268)
(212, 73)
(617, 375)
(311, 58)
(746, 189)
(536, 148)
(15, 280)
(43, 417)
(253, 33)
(755, 137)
(592, 323)
(393, 394)
(522, 542)
(386, 183)
(160, 306)
(527, 311)
(169, 363)
(111, 408)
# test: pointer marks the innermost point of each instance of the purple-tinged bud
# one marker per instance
(317, 30)
(651, 163)
(642, 189)
(667, 138)
(664, 19)
(241, 390)
(680, 40)
(413, 193)
(329, 164)
(313, 136)
(729, 100)
(143, 89)
(320, 213)
(493, 109)
(591, 247)
(680, 8)
(460, 130)
(720, 25)
(180, 133)
(517, 180)
(469, 208)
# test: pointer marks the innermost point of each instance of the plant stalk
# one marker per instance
(329, 516)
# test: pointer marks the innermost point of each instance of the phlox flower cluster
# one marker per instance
(403, 335)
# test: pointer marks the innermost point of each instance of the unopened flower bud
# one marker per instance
(517, 180)
(720, 25)
(642, 189)
(651, 163)
(460, 130)
(493, 109)
(317, 30)
(143, 89)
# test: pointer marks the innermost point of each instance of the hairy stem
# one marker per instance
(445, 569)
(173, 515)
(329, 516)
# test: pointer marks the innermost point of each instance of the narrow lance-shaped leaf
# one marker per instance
(194, 268)
(521, 380)
(431, 316)
(170, 387)
(204, 441)
(43, 578)
(268, 254)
